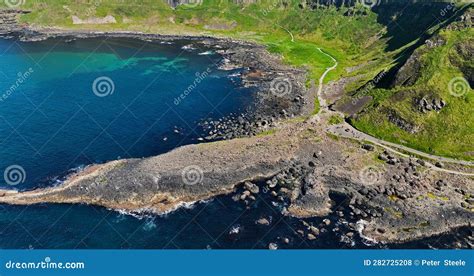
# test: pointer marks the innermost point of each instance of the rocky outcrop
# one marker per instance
(281, 91)
(462, 56)
(426, 104)
(464, 21)
(9, 21)
(185, 175)
(175, 3)
(410, 72)
(400, 122)
(397, 198)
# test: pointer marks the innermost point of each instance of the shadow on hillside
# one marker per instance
(412, 22)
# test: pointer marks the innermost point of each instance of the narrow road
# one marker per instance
(347, 131)
(322, 102)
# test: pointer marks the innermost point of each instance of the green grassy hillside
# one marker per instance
(444, 74)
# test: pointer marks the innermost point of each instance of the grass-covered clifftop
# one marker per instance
(408, 113)
(429, 104)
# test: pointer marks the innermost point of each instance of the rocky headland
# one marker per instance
(397, 198)
(393, 198)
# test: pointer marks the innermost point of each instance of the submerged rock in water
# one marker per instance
(263, 221)
(273, 246)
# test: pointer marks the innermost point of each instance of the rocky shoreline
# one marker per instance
(280, 89)
(392, 198)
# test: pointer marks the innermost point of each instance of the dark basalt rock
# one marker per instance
(409, 72)
(464, 21)
(368, 147)
(396, 119)
(8, 22)
(461, 56)
(264, 72)
(426, 104)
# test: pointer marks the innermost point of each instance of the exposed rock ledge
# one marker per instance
(157, 183)
(400, 199)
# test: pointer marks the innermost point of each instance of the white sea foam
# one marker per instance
(234, 75)
(235, 229)
(138, 214)
(146, 213)
(360, 226)
(188, 47)
(206, 53)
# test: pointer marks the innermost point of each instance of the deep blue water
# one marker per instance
(217, 224)
(52, 122)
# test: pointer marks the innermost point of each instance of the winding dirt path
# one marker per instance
(288, 31)
(345, 130)
(322, 102)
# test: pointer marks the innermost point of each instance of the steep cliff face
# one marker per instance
(460, 56)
